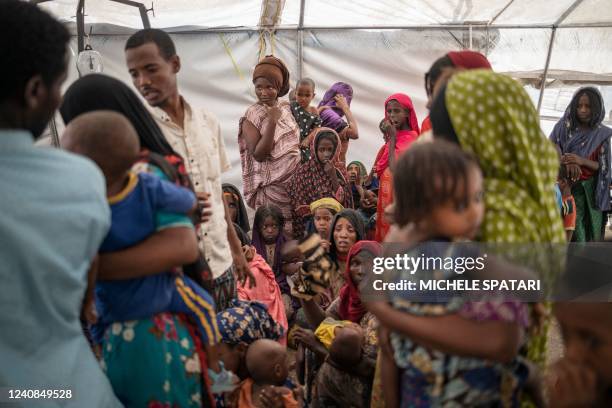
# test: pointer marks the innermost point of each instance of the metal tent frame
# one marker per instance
(301, 28)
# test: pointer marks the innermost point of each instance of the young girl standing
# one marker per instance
(335, 104)
(306, 116)
(402, 128)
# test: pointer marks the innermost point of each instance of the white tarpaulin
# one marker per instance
(356, 41)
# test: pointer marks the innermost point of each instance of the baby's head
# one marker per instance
(267, 362)
(439, 188)
(346, 347)
(587, 335)
(108, 138)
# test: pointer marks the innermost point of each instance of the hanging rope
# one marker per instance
(267, 24)
(228, 51)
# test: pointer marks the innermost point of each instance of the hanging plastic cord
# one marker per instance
(228, 51)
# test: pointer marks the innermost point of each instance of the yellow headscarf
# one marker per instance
(327, 202)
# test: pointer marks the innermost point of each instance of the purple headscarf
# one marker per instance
(332, 118)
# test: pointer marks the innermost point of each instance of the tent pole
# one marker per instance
(569, 11)
(471, 39)
(141, 8)
(80, 17)
(545, 74)
(300, 41)
(600, 24)
(501, 12)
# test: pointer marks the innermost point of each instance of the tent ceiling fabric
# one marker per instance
(210, 14)
(217, 63)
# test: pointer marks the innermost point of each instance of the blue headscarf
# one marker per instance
(583, 143)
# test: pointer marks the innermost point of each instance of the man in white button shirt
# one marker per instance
(195, 135)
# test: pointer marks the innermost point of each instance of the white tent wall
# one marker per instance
(378, 61)
(375, 63)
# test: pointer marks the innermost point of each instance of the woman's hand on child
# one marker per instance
(204, 205)
(272, 396)
(242, 270)
(571, 385)
(306, 337)
(249, 252)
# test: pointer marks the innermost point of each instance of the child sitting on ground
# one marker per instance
(306, 116)
(269, 240)
(268, 366)
(568, 207)
(323, 212)
(439, 193)
(266, 288)
(110, 140)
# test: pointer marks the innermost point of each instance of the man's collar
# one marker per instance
(163, 116)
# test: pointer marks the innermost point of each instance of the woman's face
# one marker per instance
(266, 93)
(354, 173)
(445, 75)
(397, 114)
(583, 110)
(304, 95)
(325, 150)
(269, 230)
(322, 220)
(357, 268)
(344, 236)
(233, 358)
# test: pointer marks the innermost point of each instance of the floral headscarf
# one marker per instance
(245, 322)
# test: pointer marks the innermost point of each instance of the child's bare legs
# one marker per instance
(389, 372)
